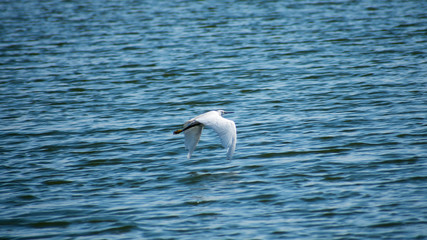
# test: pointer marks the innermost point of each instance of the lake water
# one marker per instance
(329, 99)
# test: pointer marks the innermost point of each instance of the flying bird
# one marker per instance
(226, 130)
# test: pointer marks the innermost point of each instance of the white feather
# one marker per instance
(226, 130)
(192, 137)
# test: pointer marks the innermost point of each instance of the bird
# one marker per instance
(225, 128)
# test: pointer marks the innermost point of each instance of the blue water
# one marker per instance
(329, 99)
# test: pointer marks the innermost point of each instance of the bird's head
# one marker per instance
(222, 112)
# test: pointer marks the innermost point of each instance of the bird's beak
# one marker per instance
(228, 112)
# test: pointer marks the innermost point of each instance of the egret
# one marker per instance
(226, 130)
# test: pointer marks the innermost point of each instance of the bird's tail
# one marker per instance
(178, 131)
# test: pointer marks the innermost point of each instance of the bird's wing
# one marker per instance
(192, 137)
(226, 130)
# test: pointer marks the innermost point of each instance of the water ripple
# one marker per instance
(329, 102)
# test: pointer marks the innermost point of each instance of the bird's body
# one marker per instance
(226, 130)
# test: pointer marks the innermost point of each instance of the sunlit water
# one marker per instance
(329, 100)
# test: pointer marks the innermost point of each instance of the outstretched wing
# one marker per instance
(192, 137)
(226, 130)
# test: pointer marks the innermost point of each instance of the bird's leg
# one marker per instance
(192, 124)
(178, 131)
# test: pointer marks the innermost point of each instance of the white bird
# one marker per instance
(226, 130)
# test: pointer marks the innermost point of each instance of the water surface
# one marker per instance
(329, 100)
